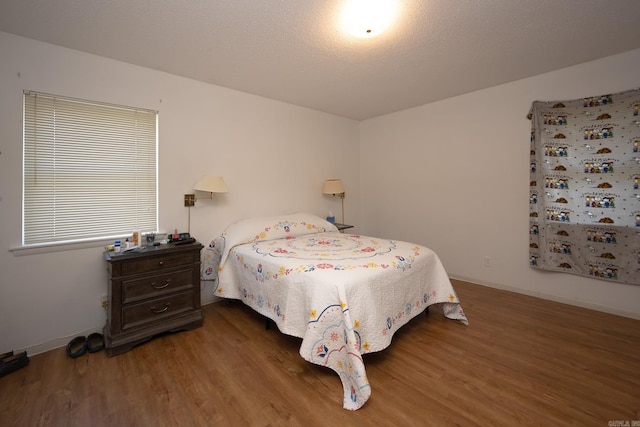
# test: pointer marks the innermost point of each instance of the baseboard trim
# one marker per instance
(555, 298)
(58, 342)
(63, 341)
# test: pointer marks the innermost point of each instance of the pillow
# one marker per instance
(272, 227)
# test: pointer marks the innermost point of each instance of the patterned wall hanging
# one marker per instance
(585, 187)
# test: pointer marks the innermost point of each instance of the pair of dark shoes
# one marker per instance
(10, 362)
(80, 345)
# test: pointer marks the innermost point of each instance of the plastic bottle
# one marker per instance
(116, 246)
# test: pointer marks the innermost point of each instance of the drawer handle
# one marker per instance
(161, 263)
(166, 283)
(162, 310)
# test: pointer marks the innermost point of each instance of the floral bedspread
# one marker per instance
(345, 295)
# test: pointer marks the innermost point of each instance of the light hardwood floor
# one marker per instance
(522, 361)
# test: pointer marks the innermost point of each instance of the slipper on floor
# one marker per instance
(5, 355)
(13, 362)
(77, 347)
(95, 342)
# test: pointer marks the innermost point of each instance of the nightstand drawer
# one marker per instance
(157, 309)
(154, 263)
(156, 285)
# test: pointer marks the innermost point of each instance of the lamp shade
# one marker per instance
(211, 184)
(333, 186)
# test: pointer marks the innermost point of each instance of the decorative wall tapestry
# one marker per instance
(585, 187)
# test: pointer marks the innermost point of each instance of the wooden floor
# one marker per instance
(522, 361)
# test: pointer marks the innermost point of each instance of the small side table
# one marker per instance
(151, 291)
(342, 227)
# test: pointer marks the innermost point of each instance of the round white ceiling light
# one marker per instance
(368, 18)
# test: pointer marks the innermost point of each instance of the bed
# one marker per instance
(345, 295)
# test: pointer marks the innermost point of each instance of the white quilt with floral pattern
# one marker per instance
(345, 295)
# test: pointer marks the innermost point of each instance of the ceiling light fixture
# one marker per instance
(368, 18)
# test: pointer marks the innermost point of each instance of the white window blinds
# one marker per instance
(90, 170)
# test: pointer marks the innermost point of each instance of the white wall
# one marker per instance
(273, 156)
(453, 175)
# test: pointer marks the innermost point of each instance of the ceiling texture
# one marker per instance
(294, 51)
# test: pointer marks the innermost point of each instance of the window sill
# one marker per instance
(62, 246)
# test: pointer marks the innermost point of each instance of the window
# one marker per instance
(89, 172)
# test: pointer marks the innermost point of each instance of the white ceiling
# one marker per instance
(293, 50)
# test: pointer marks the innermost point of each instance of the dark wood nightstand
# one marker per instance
(152, 291)
(342, 227)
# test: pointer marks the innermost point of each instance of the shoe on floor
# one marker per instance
(77, 347)
(13, 362)
(95, 342)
